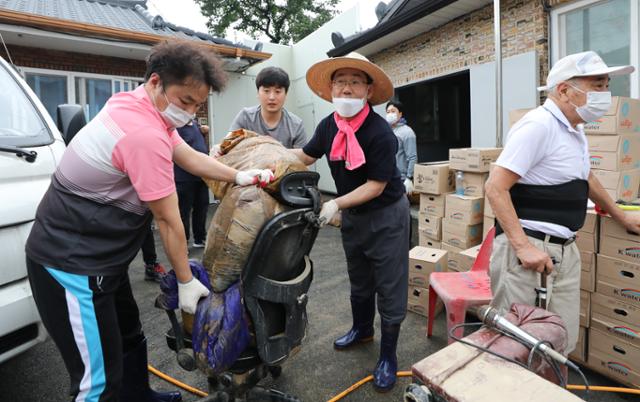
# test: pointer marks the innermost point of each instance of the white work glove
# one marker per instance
(189, 294)
(329, 209)
(408, 186)
(254, 176)
(215, 151)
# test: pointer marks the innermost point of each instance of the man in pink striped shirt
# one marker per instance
(115, 176)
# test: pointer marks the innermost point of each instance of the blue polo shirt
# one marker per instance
(193, 137)
(379, 145)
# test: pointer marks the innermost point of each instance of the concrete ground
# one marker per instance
(316, 373)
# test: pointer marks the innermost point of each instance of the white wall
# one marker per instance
(296, 59)
(519, 81)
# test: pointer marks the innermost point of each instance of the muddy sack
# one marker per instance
(243, 210)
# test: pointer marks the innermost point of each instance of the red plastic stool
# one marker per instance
(461, 290)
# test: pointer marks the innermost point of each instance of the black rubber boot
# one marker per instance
(384, 375)
(135, 379)
(362, 329)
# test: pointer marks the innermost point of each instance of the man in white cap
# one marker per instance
(539, 190)
(361, 150)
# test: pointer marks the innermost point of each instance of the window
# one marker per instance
(92, 93)
(50, 89)
(20, 123)
(89, 90)
(609, 27)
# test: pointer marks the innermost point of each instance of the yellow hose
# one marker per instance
(361, 382)
(175, 382)
(601, 388)
(365, 380)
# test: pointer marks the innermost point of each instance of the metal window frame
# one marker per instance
(558, 36)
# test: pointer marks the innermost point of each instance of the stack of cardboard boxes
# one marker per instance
(433, 181)
(609, 337)
(462, 225)
(449, 226)
(614, 146)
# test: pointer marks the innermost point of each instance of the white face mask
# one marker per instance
(597, 105)
(392, 118)
(174, 115)
(348, 107)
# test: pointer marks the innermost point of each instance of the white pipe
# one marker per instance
(498, 57)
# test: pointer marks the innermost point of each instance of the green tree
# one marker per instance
(283, 21)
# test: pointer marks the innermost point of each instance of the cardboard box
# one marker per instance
(452, 258)
(613, 308)
(585, 308)
(464, 230)
(626, 332)
(432, 204)
(467, 257)
(425, 241)
(619, 291)
(614, 349)
(614, 152)
(622, 185)
(591, 221)
(433, 178)
(618, 271)
(430, 226)
(587, 242)
(516, 114)
(580, 352)
(473, 159)
(608, 365)
(418, 301)
(623, 118)
(627, 250)
(588, 271)
(611, 228)
(487, 224)
(464, 209)
(460, 241)
(473, 183)
(422, 262)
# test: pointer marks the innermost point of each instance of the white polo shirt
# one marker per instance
(544, 149)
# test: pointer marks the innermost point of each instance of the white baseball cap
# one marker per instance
(585, 64)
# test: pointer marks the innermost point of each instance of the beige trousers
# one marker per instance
(510, 283)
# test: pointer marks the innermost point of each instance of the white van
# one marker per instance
(30, 148)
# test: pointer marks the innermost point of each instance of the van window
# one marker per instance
(21, 124)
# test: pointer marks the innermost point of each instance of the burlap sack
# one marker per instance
(243, 210)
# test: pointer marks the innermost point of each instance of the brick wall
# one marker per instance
(468, 40)
(71, 61)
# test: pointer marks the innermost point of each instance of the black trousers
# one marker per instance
(376, 244)
(93, 321)
(193, 200)
(148, 248)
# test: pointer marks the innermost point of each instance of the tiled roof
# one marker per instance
(130, 15)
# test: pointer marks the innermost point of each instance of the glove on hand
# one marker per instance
(189, 294)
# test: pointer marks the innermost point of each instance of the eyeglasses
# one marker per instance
(341, 84)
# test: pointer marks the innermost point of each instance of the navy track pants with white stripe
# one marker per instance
(93, 320)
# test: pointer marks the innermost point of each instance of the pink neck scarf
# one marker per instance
(345, 145)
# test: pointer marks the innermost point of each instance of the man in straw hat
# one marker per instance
(539, 191)
(361, 147)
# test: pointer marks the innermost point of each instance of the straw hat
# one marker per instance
(319, 76)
